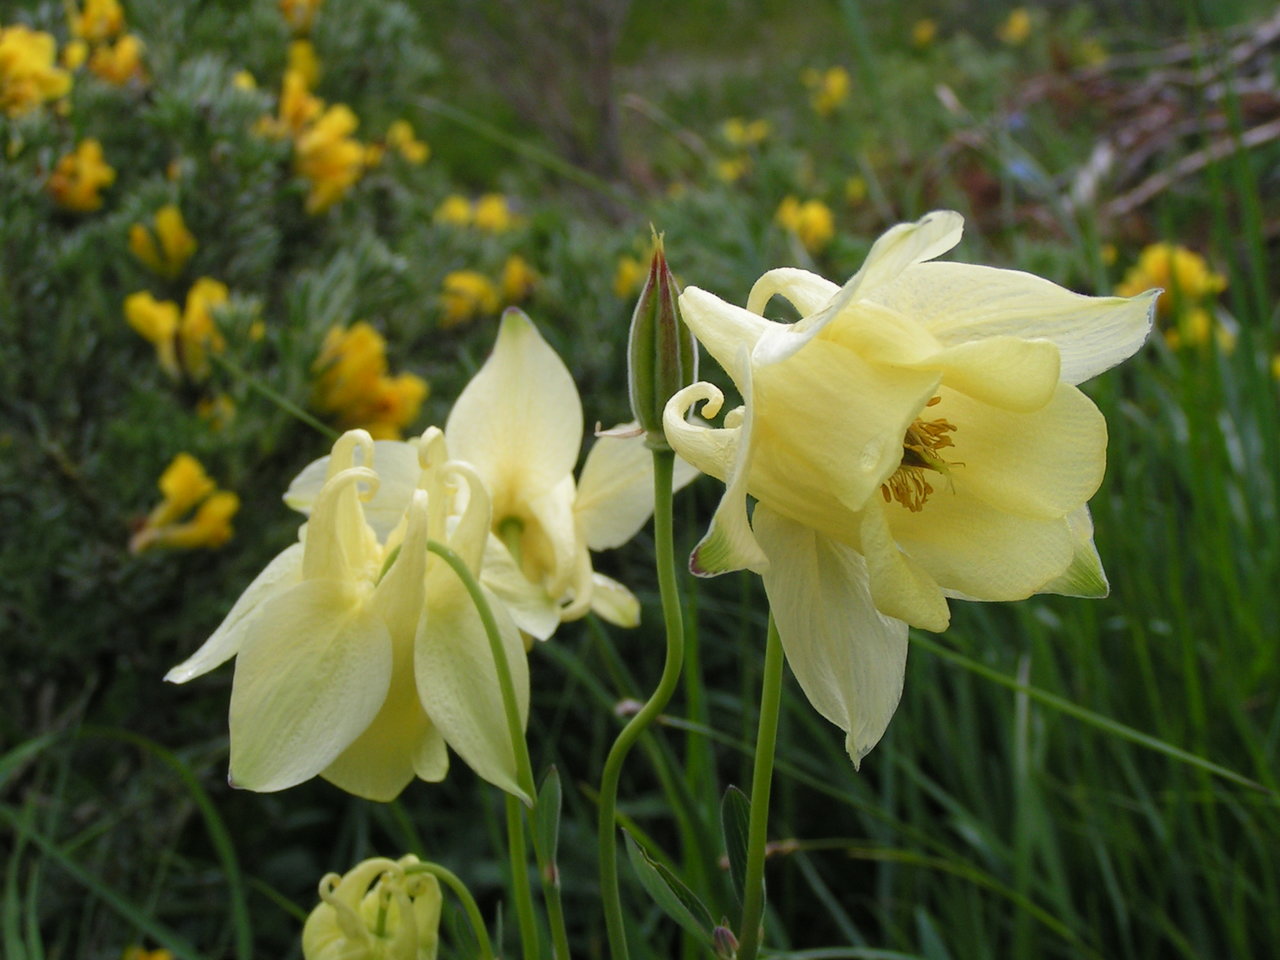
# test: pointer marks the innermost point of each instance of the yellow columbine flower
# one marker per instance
(97, 20)
(376, 911)
(28, 76)
(400, 137)
(156, 321)
(186, 486)
(493, 214)
(358, 655)
(828, 89)
(918, 435)
(168, 247)
(299, 14)
(304, 62)
(812, 222)
(924, 32)
(353, 388)
(118, 62)
(78, 179)
(329, 157)
(518, 280)
(1016, 27)
(467, 294)
(455, 210)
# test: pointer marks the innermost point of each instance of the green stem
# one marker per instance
(279, 399)
(555, 909)
(452, 881)
(524, 767)
(761, 783)
(611, 900)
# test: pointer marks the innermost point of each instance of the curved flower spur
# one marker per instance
(917, 436)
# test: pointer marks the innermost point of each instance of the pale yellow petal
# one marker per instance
(519, 420)
(1084, 577)
(710, 450)
(550, 539)
(312, 673)
(400, 594)
(280, 574)
(848, 657)
(900, 587)
(806, 291)
(396, 464)
(723, 328)
(960, 302)
(613, 602)
(534, 611)
(339, 544)
(1003, 371)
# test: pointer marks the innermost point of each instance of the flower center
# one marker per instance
(924, 438)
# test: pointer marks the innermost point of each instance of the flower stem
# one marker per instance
(454, 883)
(663, 466)
(524, 768)
(279, 399)
(761, 783)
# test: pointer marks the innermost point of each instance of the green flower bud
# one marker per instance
(662, 356)
(377, 911)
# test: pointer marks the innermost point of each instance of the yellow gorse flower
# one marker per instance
(328, 157)
(493, 214)
(1188, 284)
(183, 341)
(812, 222)
(467, 294)
(518, 279)
(917, 435)
(156, 321)
(352, 385)
(828, 89)
(627, 276)
(119, 62)
(924, 32)
(97, 20)
(738, 132)
(297, 108)
(1016, 27)
(400, 137)
(167, 246)
(455, 210)
(80, 176)
(28, 76)
(185, 486)
(304, 62)
(376, 911)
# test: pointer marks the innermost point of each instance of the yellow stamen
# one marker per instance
(920, 446)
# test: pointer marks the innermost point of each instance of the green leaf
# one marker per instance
(676, 900)
(735, 820)
(546, 825)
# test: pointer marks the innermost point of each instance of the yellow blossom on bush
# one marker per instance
(855, 190)
(118, 62)
(352, 387)
(97, 20)
(924, 32)
(732, 169)
(811, 221)
(298, 14)
(828, 89)
(79, 177)
(493, 214)
(744, 133)
(400, 137)
(156, 321)
(329, 157)
(198, 334)
(304, 62)
(28, 76)
(185, 484)
(1188, 284)
(518, 279)
(168, 247)
(297, 108)
(627, 276)
(1016, 27)
(74, 54)
(244, 80)
(467, 294)
(455, 210)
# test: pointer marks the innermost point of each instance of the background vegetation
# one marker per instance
(1063, 779)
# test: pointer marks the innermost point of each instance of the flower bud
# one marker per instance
(724, 942)
(377, 911)
(661, 354)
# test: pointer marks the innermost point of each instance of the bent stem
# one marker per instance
(454, 883)
(524, 767)
(279, 399)
(761, 784)
(611, 900)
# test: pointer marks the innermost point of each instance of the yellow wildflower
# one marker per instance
(455, 210)
(627, 276)
(352, 387)
(28, 76)
(377, 911)
(156, 321)
(924, 32)
(244, 80)
(1016, 27)
(743, 133)
(732, 169)
(855, 190)
(217, 411)
(304, 62)
(918, 435)
(77, 180)
(297, 109)
(97, 21)
(467, 294)
(493, 214)
(329, 157)
(198, 335)
(298, 14)
(118, 62)
(1275, 366)
(812, 222)
(74, 54)
(168, 247)
(138, 953)
(400, 137)
(518, 279)
(828, 89)
(185, 484)
(1182, 274)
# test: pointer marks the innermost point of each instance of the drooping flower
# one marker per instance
(358, 654)
(828, 89)
(80, 176)
(353, 387)
(28, 76)
(376, 911)
(467, 294)
(327, 156)
(812, 222)
(917, 436)
(187, 487)
(168, 246)
(118, 62)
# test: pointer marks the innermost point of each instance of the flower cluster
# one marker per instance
(77, 181)
(166, 245)
(183, 341)
(811, 221)
(353, 388)
(828, 89)
(28, 76)
(488, 213)
(186, 487)
(1185, 308)
(379, 910)
(100, 37)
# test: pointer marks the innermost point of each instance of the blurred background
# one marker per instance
(227, 227)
